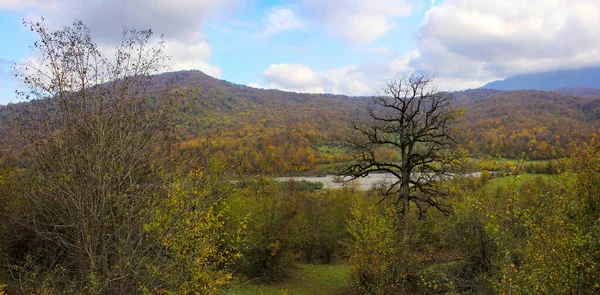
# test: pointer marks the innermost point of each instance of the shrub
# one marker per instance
(321, 225)
(269, 214)
(380, 252)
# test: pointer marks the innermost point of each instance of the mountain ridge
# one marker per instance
(551, 80)
(273, 131)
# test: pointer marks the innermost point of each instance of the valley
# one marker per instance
(130, 171)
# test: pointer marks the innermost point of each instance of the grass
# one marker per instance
(514, 161)
(306, 279)
(332, 149)
(499, 163)
(493, 184)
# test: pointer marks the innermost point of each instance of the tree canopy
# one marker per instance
(410, 132)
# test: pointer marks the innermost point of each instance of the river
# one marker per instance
(362, 183)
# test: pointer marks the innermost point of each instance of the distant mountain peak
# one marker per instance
(586, 78)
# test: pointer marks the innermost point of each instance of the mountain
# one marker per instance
(468, 96)
(541, 123)
(588, 77)
(276, 132)
(262, 131)
(580, 91)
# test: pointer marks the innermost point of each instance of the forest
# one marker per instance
(119, 178)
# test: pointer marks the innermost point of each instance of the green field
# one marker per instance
(505, 161)
(493, 184)
(306, 279)
(333, 149)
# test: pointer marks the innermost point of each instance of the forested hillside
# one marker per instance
(272, 130)
(507, 123)
(122, 173)
(580, 91)
(276, 132)
(264, 130)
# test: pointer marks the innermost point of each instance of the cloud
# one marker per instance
(190, 57)
(177, 19)
(21, 4)
(365, 78)
(279, 20)
(358, 21)
(362, 79)
(346, 80)
(293, 77)
(181, 21)
(464, 41)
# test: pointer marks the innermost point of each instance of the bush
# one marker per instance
(485, 176)
(289, 223)
(302, 185)
(380, 252)
(269, 214)
(321, 225)
(201, 242)
(477, 251)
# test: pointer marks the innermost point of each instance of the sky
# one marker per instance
(329, 46)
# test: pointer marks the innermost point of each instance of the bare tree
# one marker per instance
(410, 133)
(95, 138)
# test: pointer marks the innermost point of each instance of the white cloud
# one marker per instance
(22, 4)
(293, 77)
(401, 63)
(177, 19)
(191, 56)
(346, 80)
(279, 20)
(358, 21)
(181, 21)
(364, 79)
(258, 85)
(464, 41)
